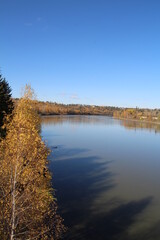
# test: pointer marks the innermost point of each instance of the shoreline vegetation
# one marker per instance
(28, 207)
(137, 114)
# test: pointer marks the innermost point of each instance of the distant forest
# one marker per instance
(53, 108)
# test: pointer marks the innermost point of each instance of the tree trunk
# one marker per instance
(13, 204)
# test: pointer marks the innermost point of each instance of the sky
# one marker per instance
(98, 52)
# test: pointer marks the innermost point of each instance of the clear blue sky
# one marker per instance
(103, 52)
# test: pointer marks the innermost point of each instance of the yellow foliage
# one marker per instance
(27, 206)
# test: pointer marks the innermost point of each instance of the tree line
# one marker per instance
(28, 208)
(53, 108)
(150, 115)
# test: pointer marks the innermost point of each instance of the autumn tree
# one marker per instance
(6, 104)
(27, 204)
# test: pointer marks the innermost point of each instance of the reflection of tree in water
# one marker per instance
(77, 119)
(79, 181)
(98, 120)
(133, 124)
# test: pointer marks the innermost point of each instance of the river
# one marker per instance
(106, 176)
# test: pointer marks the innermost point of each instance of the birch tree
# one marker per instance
(27, 206)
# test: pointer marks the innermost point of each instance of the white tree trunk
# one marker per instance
(13, 199)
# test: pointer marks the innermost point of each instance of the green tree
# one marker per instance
(27, 204)
(6, 103)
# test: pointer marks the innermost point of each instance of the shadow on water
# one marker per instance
(152, 233)
(60, 153)
(79, 181)
(114, 225)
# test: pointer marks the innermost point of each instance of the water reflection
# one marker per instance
(107, 186)
(98, 120)
(131, 124)
(77, 119)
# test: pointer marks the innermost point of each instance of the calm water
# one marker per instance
(106, 174)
